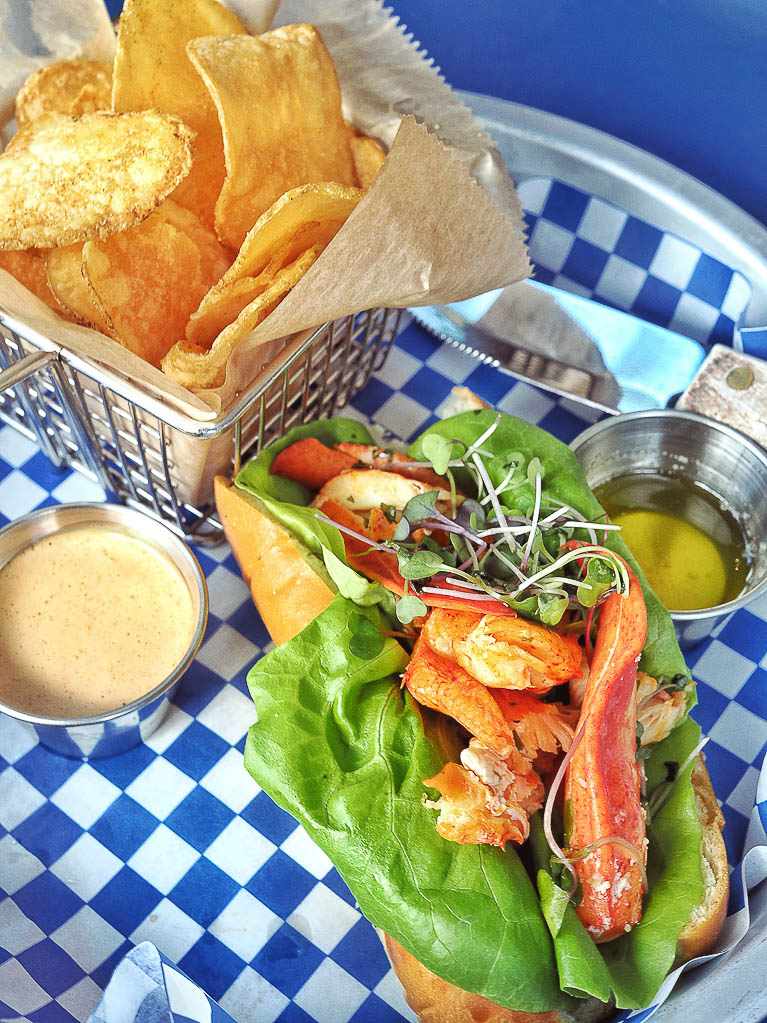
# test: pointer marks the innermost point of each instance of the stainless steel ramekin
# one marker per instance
(720, 459)
(116, 730)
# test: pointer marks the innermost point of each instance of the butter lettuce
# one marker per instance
(287, 502)
(632, 967)
(339, 745)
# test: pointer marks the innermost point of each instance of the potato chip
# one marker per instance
(216, 258)
(279, 104)
(301, 219)
(152, 70)
(224, 303)
(70, 87)
(368, 155)
(70, 288)
(149, 280)
(21, 138)
(28, 267)
(196, 367)
(75, 178)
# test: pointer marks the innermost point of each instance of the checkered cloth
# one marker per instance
(594, 248)
(173, 843)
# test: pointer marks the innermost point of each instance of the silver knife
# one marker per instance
(570, 345)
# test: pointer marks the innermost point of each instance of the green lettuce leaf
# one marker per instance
(339, 745)
(582, 969)
(632, 967)
(287, 502)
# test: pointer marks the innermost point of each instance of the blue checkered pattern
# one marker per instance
(589, 246)
(173, 843)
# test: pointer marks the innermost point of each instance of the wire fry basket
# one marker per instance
(154, 457)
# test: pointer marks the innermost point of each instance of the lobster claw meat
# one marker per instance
(602, 783)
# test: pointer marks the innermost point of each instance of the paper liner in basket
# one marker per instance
(38, 32)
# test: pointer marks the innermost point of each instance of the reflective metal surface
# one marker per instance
(117, 730)
(673, 443)
(573, 346)
(538, 144)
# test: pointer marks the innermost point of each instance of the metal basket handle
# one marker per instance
(20, 372)
(25, 368)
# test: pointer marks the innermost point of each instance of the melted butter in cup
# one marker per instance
(91, 619)
(691, 549)
(685, 567)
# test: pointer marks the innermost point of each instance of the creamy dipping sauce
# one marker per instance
(90, 620)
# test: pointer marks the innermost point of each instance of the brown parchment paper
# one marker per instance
(441, 222)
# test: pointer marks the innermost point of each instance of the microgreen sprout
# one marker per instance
(548, 808)
(356, 536)
(439, 451)
(587, 552)
(574, 856)
(533, 522)
(511, 542)
(482, 438)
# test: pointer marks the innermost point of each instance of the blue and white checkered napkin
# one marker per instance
(590, 246)
(146, 987)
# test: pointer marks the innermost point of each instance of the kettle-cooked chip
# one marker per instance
(70, 87)
(71, 289)
(19, 139)
(149, 280)
(279, 104)
(301, 219)
(224, 303)
(153, 71)
(28, 267)
(74, 178)
(196, 367)
(368, 155)
(216, 258)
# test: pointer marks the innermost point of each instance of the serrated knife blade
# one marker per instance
(570, 345)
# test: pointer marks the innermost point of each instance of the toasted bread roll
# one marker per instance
(436, 1001)
(287, 581)
(707, 919)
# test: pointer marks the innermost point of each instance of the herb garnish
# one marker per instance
(530, 554)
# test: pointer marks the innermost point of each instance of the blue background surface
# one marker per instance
(679, 78)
